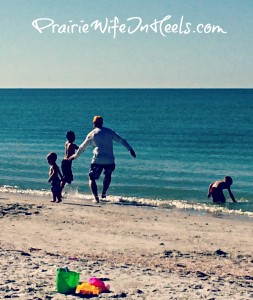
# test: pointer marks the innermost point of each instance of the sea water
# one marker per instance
(184, 140)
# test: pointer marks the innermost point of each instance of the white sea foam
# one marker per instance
(73, 194)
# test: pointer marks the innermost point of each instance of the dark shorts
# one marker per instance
(67, 171)
(56, 188)
(218, 195)
(96, 170)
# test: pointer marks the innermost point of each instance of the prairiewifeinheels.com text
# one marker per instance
(132, 25)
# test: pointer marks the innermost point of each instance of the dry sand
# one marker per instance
(141, 252)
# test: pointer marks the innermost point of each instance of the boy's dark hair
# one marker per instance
(70, 135)
(52, 156)
(228, 180)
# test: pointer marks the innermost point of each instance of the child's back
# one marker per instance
(66, 164)
(70, 149)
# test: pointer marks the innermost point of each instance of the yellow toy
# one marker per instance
(95, 286)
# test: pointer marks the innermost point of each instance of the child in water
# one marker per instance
(55, 177)
(216, 190)
(66, 165)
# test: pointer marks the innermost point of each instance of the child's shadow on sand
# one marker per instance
(79, 204)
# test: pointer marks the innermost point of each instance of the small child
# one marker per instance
(66, 164)
(216, 190)
(55, 177)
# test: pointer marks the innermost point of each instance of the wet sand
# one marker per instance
(141, 252)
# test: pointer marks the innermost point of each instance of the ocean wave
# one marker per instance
(73, 194)
(184, 205)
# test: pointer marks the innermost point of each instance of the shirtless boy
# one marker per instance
(55, 177)
(66, 165)
(216, 190)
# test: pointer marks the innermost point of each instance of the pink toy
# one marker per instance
(99, 283)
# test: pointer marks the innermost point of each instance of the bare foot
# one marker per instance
(96, 200)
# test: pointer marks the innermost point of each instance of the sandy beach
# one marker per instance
(141, 252)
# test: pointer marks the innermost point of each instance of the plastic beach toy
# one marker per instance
(95, 286)
(98, 283)
(88, 289)
(66, 281)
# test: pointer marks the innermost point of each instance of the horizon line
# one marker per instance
(126, 88)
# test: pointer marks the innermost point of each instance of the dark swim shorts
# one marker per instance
(67, 171)
(96, 170)
(56, 188)
(218, 195)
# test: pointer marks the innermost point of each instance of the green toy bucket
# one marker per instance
(66, 281)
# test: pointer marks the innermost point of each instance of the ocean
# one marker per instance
(184, 140)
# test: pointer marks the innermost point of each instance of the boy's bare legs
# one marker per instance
(54, 198)
(106, 184)
(59, 197)
(94, 189)
(62, 184)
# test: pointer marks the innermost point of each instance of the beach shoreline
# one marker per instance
(140, 251)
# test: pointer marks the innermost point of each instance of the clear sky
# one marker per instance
(181, 59)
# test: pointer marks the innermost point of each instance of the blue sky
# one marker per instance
(95, 60)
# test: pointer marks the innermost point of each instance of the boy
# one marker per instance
(66, 165)
(216, 190)
(55, 177)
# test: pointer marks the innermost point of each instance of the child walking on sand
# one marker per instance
(55, 177)
(66, 165)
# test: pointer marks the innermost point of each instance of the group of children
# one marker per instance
(57, 177)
